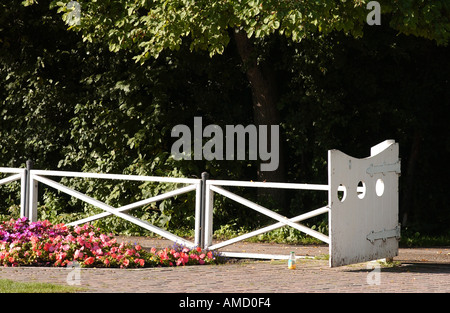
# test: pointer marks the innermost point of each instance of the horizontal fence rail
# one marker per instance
(268, 185)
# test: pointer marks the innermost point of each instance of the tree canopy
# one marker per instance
(152, 26)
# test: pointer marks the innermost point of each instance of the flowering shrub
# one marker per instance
(43, 244)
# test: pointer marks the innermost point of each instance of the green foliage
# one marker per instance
(426, 19)
(150, 27)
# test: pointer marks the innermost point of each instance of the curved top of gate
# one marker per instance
(363, 201)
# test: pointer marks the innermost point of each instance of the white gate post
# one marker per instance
(23, 194)
(198, 240)
(209, 206)
(32, 197)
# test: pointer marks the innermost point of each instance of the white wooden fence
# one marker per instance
(362, 205)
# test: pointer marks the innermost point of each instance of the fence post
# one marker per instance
(26, 190)
(198, 240)
(24, 193)
(208, 216)
(31, 194)
(200, 219)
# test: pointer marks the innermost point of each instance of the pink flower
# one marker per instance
(153, 250)
(62, 256)
(138, 247)
(194, 256)
(89, 260)
(126, 262)
(164, 256)
(201, 262)
(78, 254)
(47, 246)
(185, 257)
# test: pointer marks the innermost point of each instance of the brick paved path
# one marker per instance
(421, 270)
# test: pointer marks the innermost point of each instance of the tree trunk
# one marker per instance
(265, 112)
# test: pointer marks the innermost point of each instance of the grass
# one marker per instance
(9, 286)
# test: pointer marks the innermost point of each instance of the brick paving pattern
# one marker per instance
(419, 271)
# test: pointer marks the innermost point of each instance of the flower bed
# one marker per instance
(43, 244)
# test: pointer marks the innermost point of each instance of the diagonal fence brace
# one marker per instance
(112, 210)
(280, 218)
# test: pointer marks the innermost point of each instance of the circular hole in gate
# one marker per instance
(341, 192)
(379, 187)
(361, 190)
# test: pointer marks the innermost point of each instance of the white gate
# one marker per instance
(363, 197)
